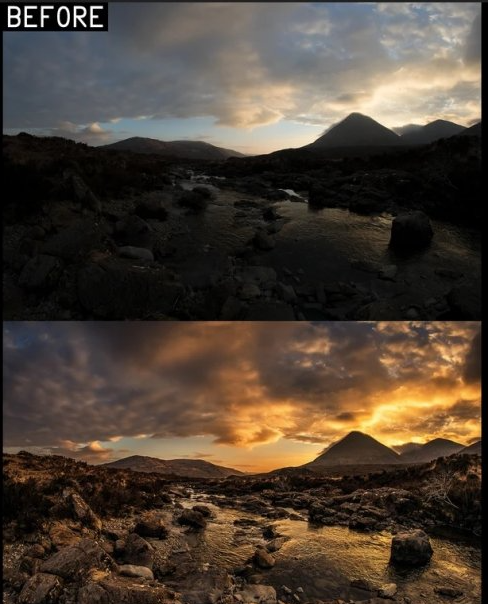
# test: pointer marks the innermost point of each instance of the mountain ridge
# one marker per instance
(191, 468)
(353, 449)
(184, 149)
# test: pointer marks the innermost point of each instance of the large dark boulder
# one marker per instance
(192, 518)
(411, 231)
(194, 200)
(411, 548)
(42, 588)
(133, 230)
(138, 551)
(75, 560)
(75, 241)
(151, 527)
(41, 273)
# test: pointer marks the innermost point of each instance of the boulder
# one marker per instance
(275, 544)
(138, 551)
(151, 527)
(82, 192)
(82, 511)
(62, 536)
(41, 273)
(286, 292)
(450, 592)
(411, 548)
(388, 590)
(193, 200)
(465, 301)
(42, 588)
(263, 559)
(75, 241)
(249, 291)
(133, 230)
(114, 288)
(131, 570)
(205, 192)
(137, 253)
(262, 241)
(203, 510)
(151, 208)
(271, 213)
(258, 594)
(72, 561)
(193, 519)
(122, 590)
(411, 231)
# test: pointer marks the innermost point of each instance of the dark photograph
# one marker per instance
(246, 161)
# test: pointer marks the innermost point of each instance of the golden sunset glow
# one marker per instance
(254, 396)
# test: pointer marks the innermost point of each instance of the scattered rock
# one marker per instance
(286, 292)
(193, 200)
(151, 527)
(258, 594)
(263, 559)
(192, 519)
(75, 241)
(42, 588)
(131, 570)
(72, 561)
(411, 231)
(450, 592)
(151, 208)
(82, 511)
(138, 551)
(114, 288)
(262, 241)
(388, 590)
(137, 253)
(411, 548)
(41, 273)
(134, 231)
(275, 544)
(203, 510)
(388, 272)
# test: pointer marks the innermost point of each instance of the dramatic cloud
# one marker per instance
(76, 385)
(249, 64)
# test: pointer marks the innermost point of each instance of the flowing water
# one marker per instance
(322, 244)
(323, 560)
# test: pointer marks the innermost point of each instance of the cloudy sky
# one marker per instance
(254, 396)
(255, 77)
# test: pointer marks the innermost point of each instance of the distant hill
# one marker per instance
(407, 448)
(431, 132)
(474, 130)
(474, 449)
(190, 468)
(439, 447)
(355, 449)
(356, 130)
(181, 149)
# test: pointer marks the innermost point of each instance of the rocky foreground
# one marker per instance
(98, 234)
(81, 534)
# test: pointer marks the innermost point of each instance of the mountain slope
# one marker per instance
(356, 449)
(191, 468)
(474, 130)
(431, 132)
(474, 449)
(356, 130)
(439, 447)
(181, 149)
